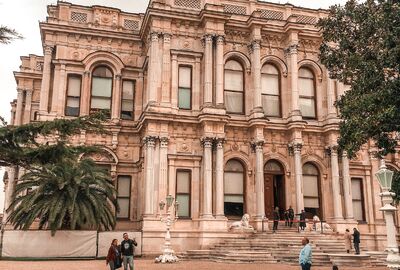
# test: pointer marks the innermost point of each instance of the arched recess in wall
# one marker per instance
(238, 56)
(105, 158)
(103, 58)
(280, 158)
(279, 63)
(313, 66)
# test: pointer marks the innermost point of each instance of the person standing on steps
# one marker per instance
(305, 257)
(286, 215)
(291, 216)
(347, 240)
(356, 240)
(276, 219)
(127, 251)
(302, 220)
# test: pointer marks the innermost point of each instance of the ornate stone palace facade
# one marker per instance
(222, 104)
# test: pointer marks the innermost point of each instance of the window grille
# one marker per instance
(271, 14)
(188, 3)
(131, 24)
(78, 17)
(235, 9)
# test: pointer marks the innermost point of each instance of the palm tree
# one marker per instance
(68, 195)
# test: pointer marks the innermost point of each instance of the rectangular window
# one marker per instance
(123, 196)
(358, 199)
(310, 187)
(128, 97)
(73, 95)
(185, 88)
(183, 185)
(270, 94)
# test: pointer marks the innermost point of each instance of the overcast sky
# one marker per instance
(24, 15)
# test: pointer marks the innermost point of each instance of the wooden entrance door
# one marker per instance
(268, 195)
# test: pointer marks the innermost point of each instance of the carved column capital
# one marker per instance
(220, 40)
(295, 147)
(29, 92)
(219, 143)
(48, 49)
(150, 141)
(332, 149)
(118, 77)
(207, 142)
(292, 49)
(164, 141)
(86, 73)
(257, 145)
(154, 36)
(167, 37)
(20, 91)
(254, 45)
(207, 39)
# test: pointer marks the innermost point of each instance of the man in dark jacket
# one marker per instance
(291, 215)
(127, 251)
(356, 240)
(276, 219)
(302, 220)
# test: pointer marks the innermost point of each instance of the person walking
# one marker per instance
(127, 251)
(356, 240)
(305, 257)
(302, 220)
(276, 219)
(286, 215)
(347, 240)
(291, 216)
(113, 258)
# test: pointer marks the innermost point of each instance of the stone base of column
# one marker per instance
(213, 224)
(340, 225)
(151, 223)
(296, 116)
(257, 112)
(260, 224)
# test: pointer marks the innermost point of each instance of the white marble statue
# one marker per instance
(243, 224)
(317, 224)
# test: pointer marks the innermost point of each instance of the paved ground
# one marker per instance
(146, 264)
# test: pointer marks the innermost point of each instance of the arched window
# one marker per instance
(307, 93)
(233, 188)
(101, 89)
(234, 87)
(270, 90)
(311, 190)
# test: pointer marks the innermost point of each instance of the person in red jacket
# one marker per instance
(114, 256)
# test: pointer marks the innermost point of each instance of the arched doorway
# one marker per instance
(274, 188)
(312, 191)
(234, 189)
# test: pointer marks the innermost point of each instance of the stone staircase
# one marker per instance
(281, 247)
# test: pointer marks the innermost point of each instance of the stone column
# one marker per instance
(117, 94)
(166, 69)
(45, 87)
(337, 197)
(150, 142)
(255, 49)
(163, 172)
(331, 98)
(208, 71)
(291, 53)
(9, 190)
(207, 178)
(219, 181)
(28, 106)
(85, 100)
(152, 70)
(174, 81)
(59, 91)
(259, 181)
(18, 112)
(348, 198)
(298, 175)
(219, 72)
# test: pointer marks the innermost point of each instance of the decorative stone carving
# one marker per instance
(316, 226)
(242, 225)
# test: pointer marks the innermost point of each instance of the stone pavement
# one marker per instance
(147, 264)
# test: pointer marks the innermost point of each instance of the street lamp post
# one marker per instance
(385, 177)
(168, 255)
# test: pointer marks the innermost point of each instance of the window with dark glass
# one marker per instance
(73, 95)
(183, 184)
(234, 87)
(102, 80)
(311, 189)
(185, 88)
(233, 188)
(270, 90)
(123, 196)
(358, 199)
(306, 86)
(127, 103)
